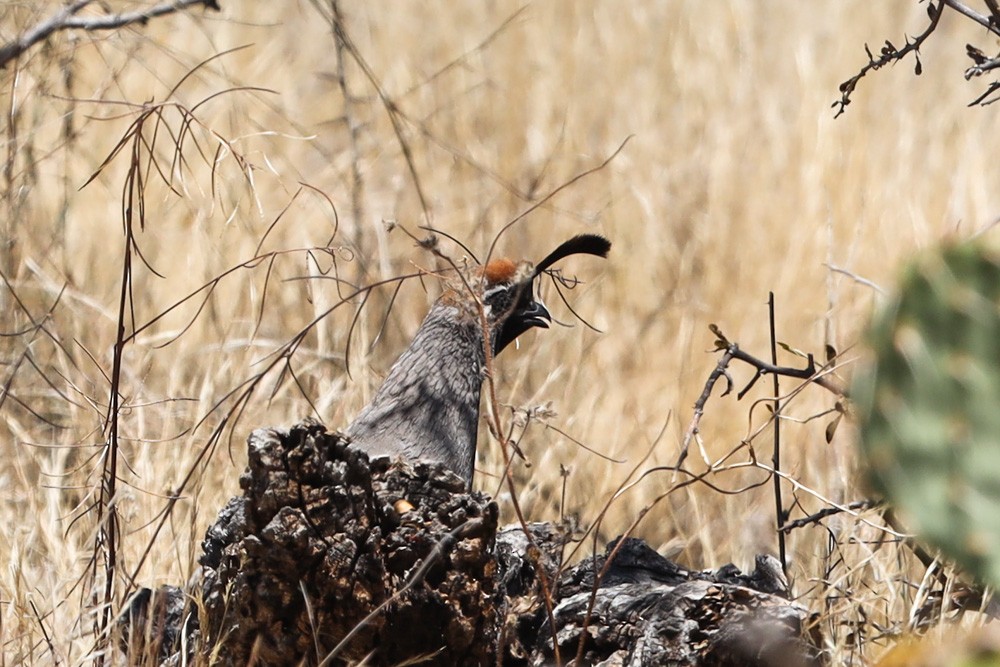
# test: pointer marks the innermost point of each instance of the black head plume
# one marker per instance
(528, 312)
(582, 244)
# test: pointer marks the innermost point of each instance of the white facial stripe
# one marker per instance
(494, 290)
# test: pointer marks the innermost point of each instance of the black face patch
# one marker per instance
(519, 316)
(514, 309)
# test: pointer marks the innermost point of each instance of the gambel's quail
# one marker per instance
(427, 409)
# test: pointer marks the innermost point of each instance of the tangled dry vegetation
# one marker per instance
(206, 218)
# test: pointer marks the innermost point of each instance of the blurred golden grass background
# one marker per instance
(737, 181)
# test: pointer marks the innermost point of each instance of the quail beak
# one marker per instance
(532, 314)
(535, 315)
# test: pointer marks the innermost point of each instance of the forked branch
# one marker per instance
(732, 351)
(889, 54)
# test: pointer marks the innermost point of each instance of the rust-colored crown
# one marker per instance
(499, 271)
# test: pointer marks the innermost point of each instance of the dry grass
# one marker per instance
(737, 181)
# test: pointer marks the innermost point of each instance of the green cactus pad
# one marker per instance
(929, 404)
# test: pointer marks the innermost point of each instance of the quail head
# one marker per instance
(427, 409)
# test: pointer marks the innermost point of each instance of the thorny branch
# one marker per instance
(732, 351)
(68, 19)
(889, 54)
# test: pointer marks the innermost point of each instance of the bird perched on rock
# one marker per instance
(427, 409)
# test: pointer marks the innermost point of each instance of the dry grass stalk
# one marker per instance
(124, 392)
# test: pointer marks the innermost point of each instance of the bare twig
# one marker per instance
(856, 278)
(396, 118)
(139, 148)
(826, 512)
(45, 633)
(982, 67)
(353, 127)
(719, 371)
(67, 19)
(732, 351)
(889, 54)
(972, 14)
(781, 515)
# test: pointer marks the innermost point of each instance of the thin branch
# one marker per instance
(811, 372)
(391, 109)
(67, 19)
(764, 367)
(888, 55)
(994, 11)
(972, 14)
(354, 127)
(857, 505)
(983, 67)
(856, 278)
(781, 514)
(699, 406)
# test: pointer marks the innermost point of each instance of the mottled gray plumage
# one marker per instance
(427, 409)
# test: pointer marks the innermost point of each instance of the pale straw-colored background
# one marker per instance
(736, 181)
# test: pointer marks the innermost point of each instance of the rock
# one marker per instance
(647, 610)
(315, 545)
(329, 557)
(155, 624)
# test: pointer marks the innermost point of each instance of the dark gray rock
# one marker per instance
(330, 556)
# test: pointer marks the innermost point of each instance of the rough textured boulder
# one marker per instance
(647, 610)
(321, 537)
(330, 558)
